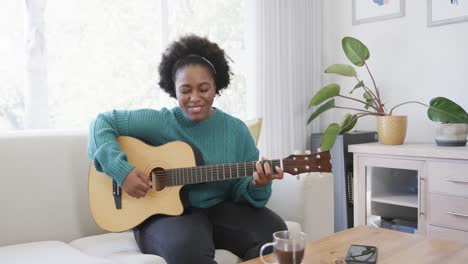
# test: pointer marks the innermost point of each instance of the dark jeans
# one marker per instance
(193, 236)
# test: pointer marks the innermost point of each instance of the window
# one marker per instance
(105, 56)
(222, 22)
(12, 65)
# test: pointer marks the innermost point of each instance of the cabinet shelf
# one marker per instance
(404, 226)
(402, 199)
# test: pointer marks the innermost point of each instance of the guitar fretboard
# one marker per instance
(209, 173)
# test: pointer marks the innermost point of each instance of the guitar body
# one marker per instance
(167, 201)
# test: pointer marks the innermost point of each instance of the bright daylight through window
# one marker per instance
(12, 64)
(103, 55)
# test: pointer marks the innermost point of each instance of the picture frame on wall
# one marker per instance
(442, 12)
(367, 11)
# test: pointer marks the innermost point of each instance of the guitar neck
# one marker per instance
(210, 173)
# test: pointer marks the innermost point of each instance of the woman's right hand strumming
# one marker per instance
(136, 184)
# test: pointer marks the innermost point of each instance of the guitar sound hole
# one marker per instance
(159, 179)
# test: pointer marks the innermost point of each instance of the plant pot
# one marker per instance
(451, 134)
(392, 129)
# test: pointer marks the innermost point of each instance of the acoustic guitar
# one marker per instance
(171, 166)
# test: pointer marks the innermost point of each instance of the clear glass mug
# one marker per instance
(288, 248)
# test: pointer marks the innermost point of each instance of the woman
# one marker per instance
(223, 214)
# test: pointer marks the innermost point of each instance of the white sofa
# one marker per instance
(44, 212)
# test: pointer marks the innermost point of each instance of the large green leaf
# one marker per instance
(326, 106)
(329, 136)
(324, 94)
(341, 69)
(355, 50)
(446, 111)
(348, 123)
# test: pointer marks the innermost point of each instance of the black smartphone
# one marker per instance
(359, 254)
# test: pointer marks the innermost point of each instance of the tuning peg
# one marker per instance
(297, 152)
(308, 152)
(319, 150)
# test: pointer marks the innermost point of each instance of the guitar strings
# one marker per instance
(174, 180)
(215, 172)
(203, 170)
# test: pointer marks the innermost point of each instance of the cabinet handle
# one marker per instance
(457, 181)
(422, 210)
(457, 214)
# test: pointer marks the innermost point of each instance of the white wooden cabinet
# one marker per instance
(415, 187)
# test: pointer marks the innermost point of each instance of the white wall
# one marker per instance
(409, 61)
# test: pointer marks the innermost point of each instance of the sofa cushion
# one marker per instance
(293, 227)
(122, 249)
(106, 244)
(46, 252)
(223, 256)
(134, 257)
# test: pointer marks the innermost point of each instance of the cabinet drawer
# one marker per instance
(448, 177)
(448, 234)
(448, 211)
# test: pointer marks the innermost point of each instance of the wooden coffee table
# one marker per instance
(394, 247)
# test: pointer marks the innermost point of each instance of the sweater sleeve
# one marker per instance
(243, 190)
(103, 148)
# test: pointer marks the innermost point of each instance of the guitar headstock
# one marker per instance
(313, 162)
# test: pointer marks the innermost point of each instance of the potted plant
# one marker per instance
(391, 129)
(451, 122)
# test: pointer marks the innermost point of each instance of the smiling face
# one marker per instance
(195, 91)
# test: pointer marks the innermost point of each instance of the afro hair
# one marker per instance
(193, 45)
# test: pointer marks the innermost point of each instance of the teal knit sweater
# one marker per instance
(220, 139)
